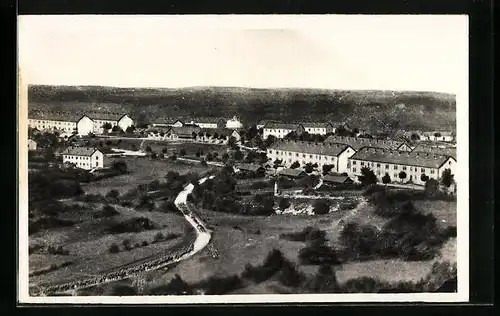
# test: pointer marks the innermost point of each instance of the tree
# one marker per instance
(386, 179)
(402, 175)
(193, 135)
(209, 157)
(232, 142)
(431, 187)
(154, 155)
(309, 168)
(295, 165)
(367, 177)
(116, 129)
(321, 207)
(284, 204)
(424, 177)
(277, 163)
(148, 149)
(161, 155)
(327, 169)
(238, 155)
(106, 126)
(173, 157)
(182, 152)
(414, 136)
(114, 248)
(130, 129)
(120, 165)
(113, 194)
(447, 178)
(198, 153)
(225, 157)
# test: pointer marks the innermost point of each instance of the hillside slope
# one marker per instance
(364, 109)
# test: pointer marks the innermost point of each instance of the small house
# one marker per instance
(337, 179)
(292, 173)
(83, 157)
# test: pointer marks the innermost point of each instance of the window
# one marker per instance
(378, 165)
(310, 156)
(395, 167)
(404, 167)
(289, 154)
(386, 166)
(432, 171)
(353, 169)
(395, 175)
(362, 163)
(296, 154)
(353, 162)
(303, 156)
(422, 170)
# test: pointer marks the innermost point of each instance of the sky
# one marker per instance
(418, 53)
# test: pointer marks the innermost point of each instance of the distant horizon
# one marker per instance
(238, 87)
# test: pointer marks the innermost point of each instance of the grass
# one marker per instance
(88, 244)
(141, 171)
(237, 243)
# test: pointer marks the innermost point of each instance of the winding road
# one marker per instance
(203, 236)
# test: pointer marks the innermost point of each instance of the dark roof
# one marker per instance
(185, 131)
(449, 151)
(221, 131)
(412, 158)
(316, 124)
(292, 172)
(55, 116)
(249, 167)
(205, 120)
(278, 125)
(336, 178)
(443, 133)
(265, 121)
(309, 147)
(358, 142)
(80, 151)
(105, 116)
(165, 120)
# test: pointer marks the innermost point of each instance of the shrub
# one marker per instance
(114, 248)
(221, 285)
(127, 244)
(144, 243)
(133, 225)
(173, 157)
(321, 207)
(289, 275)
(113, 195)
(123, 290)
(108, 211)
(271, 265)
(386, 179)
(295, 165)
(284, 204)
(367, 177)
(176, 286)
(317, 253)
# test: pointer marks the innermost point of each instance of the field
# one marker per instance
(88, 242)
(241, 240)
(367, 109)
(142, 171)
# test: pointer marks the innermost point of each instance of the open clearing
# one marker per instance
(141, 171)
(88, 243)
(238, 242)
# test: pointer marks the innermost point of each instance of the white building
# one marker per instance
(358, 143)
(289, 151)
(123, 121)
(234, 123)
(262, 123)
(166, 122)
(84, 157)
(320, 128)
(280, 130)
(393, 162)
(438, 136)
(217, 135)
(53, 121)
(206, 122)
(31, 144)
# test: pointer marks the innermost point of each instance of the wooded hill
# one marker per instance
(366, 109)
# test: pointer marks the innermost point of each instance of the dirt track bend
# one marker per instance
(203, 237)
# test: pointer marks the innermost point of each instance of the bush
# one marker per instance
(271, 265)
(133, 225)
(295, 165)
(367, 177)
(107, 211)
(144, 243)
(123, 290)
(284, 204)
(220, 285)
(176, 286)
(318, 253)
(113, 195)
(114, 248)
(173, 157)
(289, 275)
(321, 207)
(127, 244)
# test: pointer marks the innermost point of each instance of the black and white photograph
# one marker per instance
(243, 159)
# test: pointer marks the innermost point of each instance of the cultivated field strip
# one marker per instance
(184, 252)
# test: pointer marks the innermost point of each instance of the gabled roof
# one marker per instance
(165, 120)
(206, 120)
(221, 131)
(358, 142)
(336, 178)
(444, 133)
(80, 151)
(316, 124)
(55, 116)
(184, 131)
(292, 172)
(304, 147)
(105, 116)
(278, 125)
(249, 167)
(424, 148)
(418, 159)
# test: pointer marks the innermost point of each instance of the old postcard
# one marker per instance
(243, 159)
